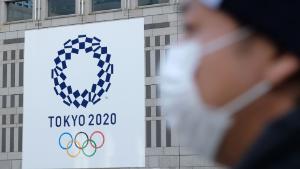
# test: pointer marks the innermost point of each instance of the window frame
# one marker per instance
(76, 12)
(5, 13)
(152, 5)
(105, 10)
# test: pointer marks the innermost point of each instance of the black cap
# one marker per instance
(279, 20)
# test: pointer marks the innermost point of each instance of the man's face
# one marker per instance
(226, 73)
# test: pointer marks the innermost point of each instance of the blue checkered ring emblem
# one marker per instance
(69, 95)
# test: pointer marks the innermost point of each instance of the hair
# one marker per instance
(292, 81)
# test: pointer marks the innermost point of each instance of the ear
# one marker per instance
(282, 68)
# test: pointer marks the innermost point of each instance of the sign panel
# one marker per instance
(84, 98)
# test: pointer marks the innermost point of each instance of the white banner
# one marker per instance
(84, 97)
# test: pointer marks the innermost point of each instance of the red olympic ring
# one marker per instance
(103, 139)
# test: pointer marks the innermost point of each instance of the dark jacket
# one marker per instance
(278, 147)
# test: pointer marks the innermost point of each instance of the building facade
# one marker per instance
(162, 29)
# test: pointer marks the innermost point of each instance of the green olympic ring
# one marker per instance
(95, 149)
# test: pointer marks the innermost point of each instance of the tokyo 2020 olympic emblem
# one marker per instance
(81, 142)
(93, 93)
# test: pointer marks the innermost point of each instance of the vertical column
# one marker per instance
(2, 12)
(153, 133)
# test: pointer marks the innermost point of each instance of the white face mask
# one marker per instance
(200, 126)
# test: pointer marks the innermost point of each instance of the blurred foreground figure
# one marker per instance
(231, 88)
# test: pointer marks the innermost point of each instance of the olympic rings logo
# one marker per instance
(82, 142)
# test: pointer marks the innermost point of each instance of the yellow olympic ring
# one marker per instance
(68, 147)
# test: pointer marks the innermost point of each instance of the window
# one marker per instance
(148, 64)
(151, 2)
(21, 54)
(99, 5)
(12, 139)
(5, 56)
(61, 7)
(167, 40)
(12, 119)
(148, 133)
(21, 75)
(157, 62)
(4, 101)
(158, 111)
(3, 119)
(20, 118)
(148, 91)
(12, 75)
(157, 40)
(158, 133)
(147, 41)
(157, 91)
(168, 136)
(20, 100)
(3, 147)
(148, 111)
(20, 138)
(4, 76)
(19, 10)
(12, 100)
(13, 55)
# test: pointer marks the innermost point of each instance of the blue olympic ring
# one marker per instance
(68, 134)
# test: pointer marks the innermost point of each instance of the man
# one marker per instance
(245, 65)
